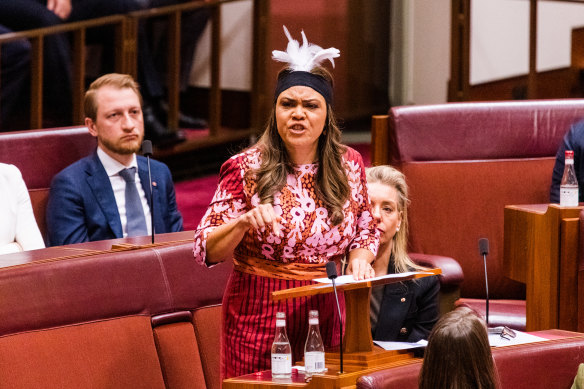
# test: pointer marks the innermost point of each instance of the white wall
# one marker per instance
(431, 49)
(500, 37)
(420, 57)
(236, 49)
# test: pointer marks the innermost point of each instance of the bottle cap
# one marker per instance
(569, 154)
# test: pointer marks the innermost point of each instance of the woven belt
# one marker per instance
(280, 270)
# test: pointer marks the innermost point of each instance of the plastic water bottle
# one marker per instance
(569, 184)
(281, 350)
(314, 348)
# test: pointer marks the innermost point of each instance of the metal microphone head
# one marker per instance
(147, 148)
(483, 246)
(331, 270)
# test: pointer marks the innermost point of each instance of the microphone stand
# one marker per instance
(331, 272)
(340, 325)
(147, 151)
(486, 287)
(484, 250)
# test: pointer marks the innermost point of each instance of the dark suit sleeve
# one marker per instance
(427, 302)
(65, 213)
(573, 140)
(173, 216)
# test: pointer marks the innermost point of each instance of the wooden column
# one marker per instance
(459, 83)
(174, 69)
(541, 250)
(79, 59)
(532, 77)
(215, 93)
(36, 83)
(259, 95)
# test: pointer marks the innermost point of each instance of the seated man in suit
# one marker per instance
(107, 195)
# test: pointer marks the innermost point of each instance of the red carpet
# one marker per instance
(193, 196)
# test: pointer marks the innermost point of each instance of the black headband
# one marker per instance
(311, 80)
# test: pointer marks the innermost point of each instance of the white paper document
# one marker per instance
(521, 337)
(348, 279)
(400, 345)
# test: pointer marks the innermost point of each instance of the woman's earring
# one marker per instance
(397, 228)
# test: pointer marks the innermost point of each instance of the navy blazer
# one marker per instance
(82, 206)
(408, 310)
(573, 140)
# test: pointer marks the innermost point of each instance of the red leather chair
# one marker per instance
(40, 154)
(549, 364)
(464, 162)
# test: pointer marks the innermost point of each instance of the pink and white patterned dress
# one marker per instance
(308, 238)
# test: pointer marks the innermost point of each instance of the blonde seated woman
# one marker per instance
(405, 311)
(18, 228)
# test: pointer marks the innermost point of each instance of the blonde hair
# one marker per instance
(116, 80)
(458, 355)
(387, 175)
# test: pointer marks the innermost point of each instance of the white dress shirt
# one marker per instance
(113, 168)
(18, 227)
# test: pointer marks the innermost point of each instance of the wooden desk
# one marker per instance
(93, 248)
(541, 250)
(360, 355)
(263, 379)
(331, 380)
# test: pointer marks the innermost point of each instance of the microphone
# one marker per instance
(147, 151)
(484, 251)
(331, 273)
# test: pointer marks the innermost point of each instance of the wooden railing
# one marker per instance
(126, 36)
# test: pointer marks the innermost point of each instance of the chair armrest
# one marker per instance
(452, 275)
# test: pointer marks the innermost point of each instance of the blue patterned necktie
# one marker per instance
(136, 222)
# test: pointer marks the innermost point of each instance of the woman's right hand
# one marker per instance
(222, 241)
(261, 216)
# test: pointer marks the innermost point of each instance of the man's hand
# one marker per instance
(61, 8)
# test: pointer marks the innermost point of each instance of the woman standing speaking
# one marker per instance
(285, 207)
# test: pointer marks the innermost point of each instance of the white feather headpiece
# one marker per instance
(305, 57)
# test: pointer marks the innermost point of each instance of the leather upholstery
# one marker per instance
(549, 364)
(510, 313)
(452, 275)
(209, 336)
(464, 162)
(40, 154)
(114, 319)
(483, 130)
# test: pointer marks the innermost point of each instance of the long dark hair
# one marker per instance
(458, 355)
(332, 183)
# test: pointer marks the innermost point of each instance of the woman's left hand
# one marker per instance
(360, 264)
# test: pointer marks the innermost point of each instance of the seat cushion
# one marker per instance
(179, 356)
(207, 323)
(116, 353)
(510, 313)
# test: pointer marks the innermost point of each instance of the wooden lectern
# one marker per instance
(541, 250)
(360, 356)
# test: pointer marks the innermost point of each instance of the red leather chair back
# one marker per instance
(549, 364)
(464, 162)
(40, 154)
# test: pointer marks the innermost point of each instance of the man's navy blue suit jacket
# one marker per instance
(82, 206)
